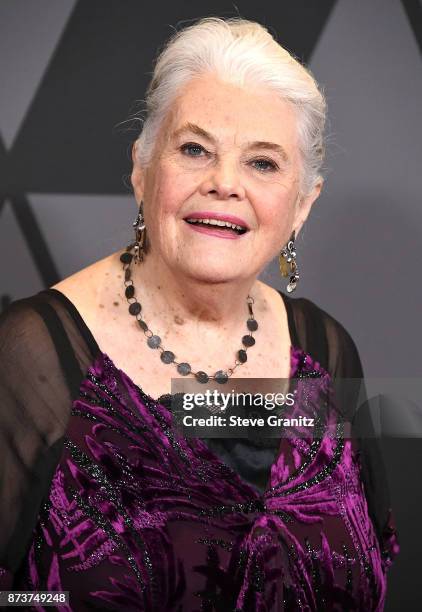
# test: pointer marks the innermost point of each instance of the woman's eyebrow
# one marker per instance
(257, 144)
(195, 129)
(262, 144)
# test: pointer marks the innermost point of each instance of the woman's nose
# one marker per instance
(223, 181)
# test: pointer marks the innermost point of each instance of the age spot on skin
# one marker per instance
(101, 305)
(179, 320)
(263, 306)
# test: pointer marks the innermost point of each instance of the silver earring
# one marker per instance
(288, 265)
(140, 234)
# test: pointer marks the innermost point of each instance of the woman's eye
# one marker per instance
(192, 149)
(265, 165)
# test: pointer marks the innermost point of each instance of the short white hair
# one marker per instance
(243, 53)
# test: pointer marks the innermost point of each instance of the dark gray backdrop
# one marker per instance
(71, 71)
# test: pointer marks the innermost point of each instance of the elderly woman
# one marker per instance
(102, 496)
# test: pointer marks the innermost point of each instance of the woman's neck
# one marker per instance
(185, 299)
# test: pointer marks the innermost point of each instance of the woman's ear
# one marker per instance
(304, 205)
(137, 176)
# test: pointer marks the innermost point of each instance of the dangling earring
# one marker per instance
(140, 234)
(288, 265)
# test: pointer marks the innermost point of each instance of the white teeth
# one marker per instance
(216, 222)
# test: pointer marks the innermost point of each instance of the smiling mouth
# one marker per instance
(218, 225)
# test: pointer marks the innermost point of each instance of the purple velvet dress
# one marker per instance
(129, 515)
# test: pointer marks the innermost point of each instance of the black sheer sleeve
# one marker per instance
(325, 339)
(43, 357)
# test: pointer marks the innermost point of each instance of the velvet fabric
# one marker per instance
(139, 518)
(103, 497)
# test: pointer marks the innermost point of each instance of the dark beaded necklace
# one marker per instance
(168, 357)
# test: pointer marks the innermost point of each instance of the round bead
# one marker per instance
(184, 369)
(252, 324)
(127, 274)
(242, 356)
(154, 341)
(126, 257)
(221, 377)
(202, 377)
(143, 325)
(248, 340)
(130, 291)
(135, 308)
(167, 356)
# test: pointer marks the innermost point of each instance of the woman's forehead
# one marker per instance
(217, 110)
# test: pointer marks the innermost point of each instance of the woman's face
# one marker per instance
(226, 151)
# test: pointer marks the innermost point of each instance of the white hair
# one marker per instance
(243, 53)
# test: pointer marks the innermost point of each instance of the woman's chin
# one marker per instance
(213, 274)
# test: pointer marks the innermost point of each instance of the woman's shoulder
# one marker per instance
(82, 286)
(313, 315)
(21, 328)
(92, 297)
(321, 334)
(22, 321)
(51, 323)
(308, 314)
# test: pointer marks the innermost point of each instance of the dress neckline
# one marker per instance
(96, 350)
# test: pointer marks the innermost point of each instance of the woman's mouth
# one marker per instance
(214, 227)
